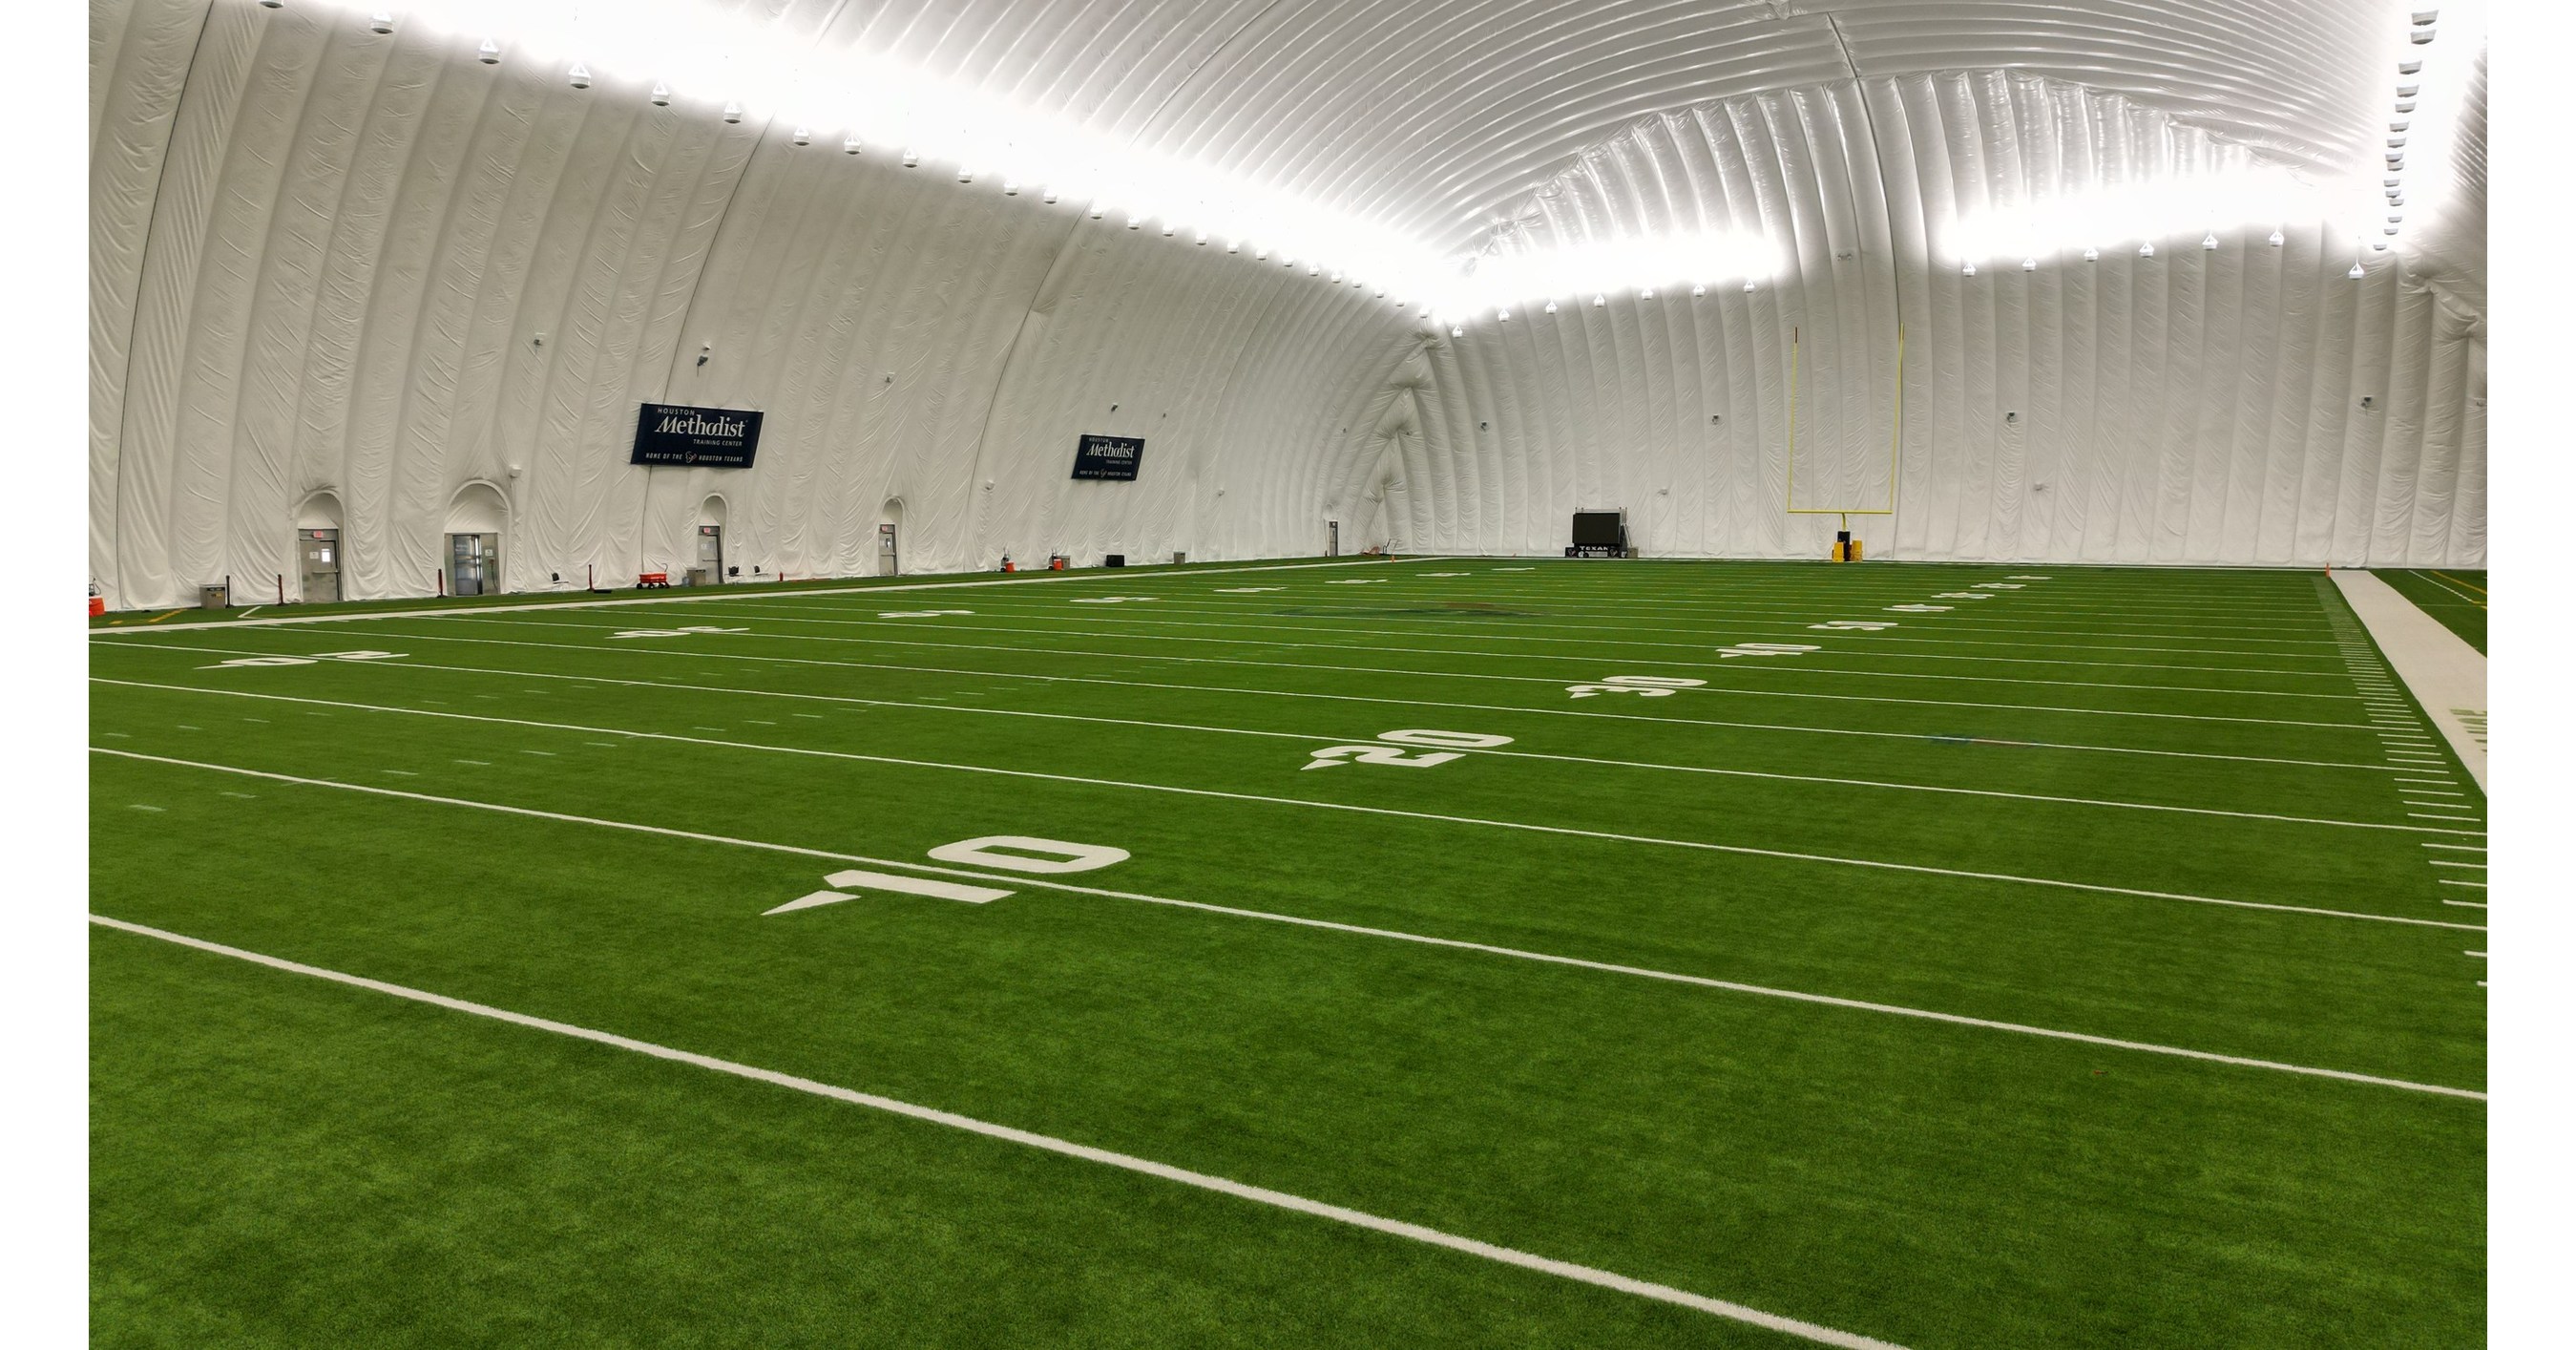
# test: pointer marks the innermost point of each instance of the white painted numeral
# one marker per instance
(1440, 574)
(1374, 754)
(1358, 581)
(262, 661)
(358, 656)
(919, 613)
(1448, 742)
(673, 632)
(1918, 609)
(1961, 595)
(1056, 855)
(1855, 625)
(1247, 590)
(1643, 686)
(1765, 649)
(1445, 740)
(2019, 577)
(1111, 599)
(1998, 585)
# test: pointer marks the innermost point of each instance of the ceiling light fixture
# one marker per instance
(2276, 240)
(661, 95)
(489, 53)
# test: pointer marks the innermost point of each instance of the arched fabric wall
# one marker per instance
(327, 258)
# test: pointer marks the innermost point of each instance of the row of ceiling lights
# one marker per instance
(2421, 33)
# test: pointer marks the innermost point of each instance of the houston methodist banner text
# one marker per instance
(1108, 457)
(712, 438)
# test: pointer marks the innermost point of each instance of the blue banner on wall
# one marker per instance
(708, 438)
(1110, 458)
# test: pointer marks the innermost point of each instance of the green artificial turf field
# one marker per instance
(1424, 951)
(2456, 597)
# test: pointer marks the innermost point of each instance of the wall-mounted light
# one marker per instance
(2356, 272)
(1502, 316)
(1098, 210)
(661, 94)
(911, 158)
(1049, 197)
(1646, 294)
(2276, 240)
(2030, 264)
(1010, 187)
(1456, 331)
(1599, 300)
(2410, 90)
(2400, 124)
(2420, 36)
(380, 22)
(1551, 307)
(850, 144)
(1967, 269)
(2147, 249)
(2092, 254)
(964, 174)
(2410, 67)
(1748, 285)
(2209, 242)
(579, 75)
(1698, 290)
(803, 136)
(733, 112)
(489, 53)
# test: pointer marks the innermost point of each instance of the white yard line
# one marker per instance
(1707, 662)
(1126, 1162)
(1121, 683)
(1391, 934)
(1137, 576)
(1592, 645)
(1560, 681)
(1310, 738)
(2445, 674)
(1564, 831)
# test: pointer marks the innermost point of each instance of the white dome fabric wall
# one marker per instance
(342, 277)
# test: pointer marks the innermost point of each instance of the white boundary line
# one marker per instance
(1743, 850)
(1124, 1161)
(1306, 737)
(167, 649)
(1361, 930)
(1140, 575)
(1560, 681)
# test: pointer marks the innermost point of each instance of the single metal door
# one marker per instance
(711, 552)
(887, 559)
(1332, 539)
(319, 555)
(474, 564)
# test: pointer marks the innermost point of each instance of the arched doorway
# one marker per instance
(478, 516)
(709, 569)
(889, 538)
(319, 555)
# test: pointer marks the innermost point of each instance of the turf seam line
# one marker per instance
(1283, 693)
(1509, 1256)
(1304, 738)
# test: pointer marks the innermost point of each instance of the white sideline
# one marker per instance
(1361, 930)
(1125, 1161)
(683, 598)
(1306, 693)
(1309, 738)
(2445, 674)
